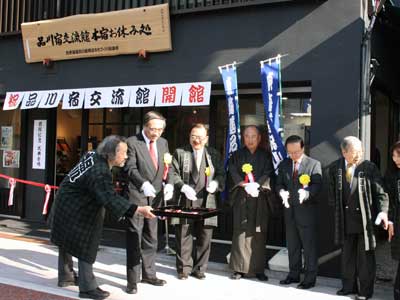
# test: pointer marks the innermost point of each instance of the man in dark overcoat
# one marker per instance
(145, 170)
(198, 173)
(249, 200)
(78, 212)
(357, 195)
(298, 183)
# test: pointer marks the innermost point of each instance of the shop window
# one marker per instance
(10, 165)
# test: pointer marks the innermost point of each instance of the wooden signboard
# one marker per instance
(103, 34)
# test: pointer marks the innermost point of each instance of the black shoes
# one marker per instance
(198, 275)
(306, 286)
(132, 289)
(289, 280)
(237, 275)
(182, 276)
(154, 281)
(343, 292)
(97, 294)
(262, 277)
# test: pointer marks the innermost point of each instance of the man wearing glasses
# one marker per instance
(145, 169)
(198, 173)
(299, 181)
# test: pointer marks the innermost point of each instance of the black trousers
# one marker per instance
(87, 280)
(358, 264)
(301, 235)
(141, 244)
(396, 290)
(184, 247)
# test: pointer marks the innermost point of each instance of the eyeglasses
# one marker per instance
(295, 152)
(196, 137)
(155, 129)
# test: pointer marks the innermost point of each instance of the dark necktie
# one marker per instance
(295, 170)
(153, 154)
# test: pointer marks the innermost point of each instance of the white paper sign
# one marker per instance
(143, 96)
(31, 99)
(97, 97)
(39, 144)
(119, 97)
(12, 100)
(6, 137)
(73, 99)
(51, 99)
(194, 94)
(169, 95)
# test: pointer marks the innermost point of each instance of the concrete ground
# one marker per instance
(31, 263)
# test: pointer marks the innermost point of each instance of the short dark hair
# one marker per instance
(391, 165)
(153, 115)
(199, 125)
(294, 139)
(253, 126)
(107, 149)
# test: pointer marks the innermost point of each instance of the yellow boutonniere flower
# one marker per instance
(207, 171)
(167, 158)
(304, 179)
(247, 168)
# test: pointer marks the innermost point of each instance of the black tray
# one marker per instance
(186, 213)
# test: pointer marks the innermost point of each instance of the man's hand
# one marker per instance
(145, 211)
(148, 189)
(252, 188)
(382, 217)
(168, 191)
(303, 195)
(212, 187)
(285, 196)
(390, 231)
(189, 192)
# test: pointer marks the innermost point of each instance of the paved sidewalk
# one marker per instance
(30, 263)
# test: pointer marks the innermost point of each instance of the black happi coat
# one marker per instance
(392, 187)
(367, 189)
(78, 212)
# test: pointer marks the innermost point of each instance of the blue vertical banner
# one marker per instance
(271, 90)
(229, 78)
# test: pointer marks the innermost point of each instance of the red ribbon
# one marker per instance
(165, 174)
(11, 183)
(249, 177)
(47, 188)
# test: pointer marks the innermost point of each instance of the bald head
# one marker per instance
(252, 138)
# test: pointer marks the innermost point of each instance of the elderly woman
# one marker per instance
(392, 186)
(78, 213)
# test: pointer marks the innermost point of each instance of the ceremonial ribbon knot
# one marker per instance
(47, 188)
(11, 182)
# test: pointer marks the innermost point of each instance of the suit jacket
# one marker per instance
(196, 178)
(284, 180)
(392, 187)
(140, 168)
(77, 215)
(366, 190)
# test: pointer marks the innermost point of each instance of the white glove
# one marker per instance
(212, 186)
(285, 196)
(303, 195)
(252, 188)
(168, 191)
(382, 217)
(148, 189)
(189, 192)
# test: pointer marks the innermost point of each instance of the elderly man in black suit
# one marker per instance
(77, 215)
(199, 175)
(299, 181)
(358, 197)
(145, 171)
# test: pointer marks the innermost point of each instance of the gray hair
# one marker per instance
(109, 146)
(153, 115)
(350, 141)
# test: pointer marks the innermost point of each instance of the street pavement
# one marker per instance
(28, 265)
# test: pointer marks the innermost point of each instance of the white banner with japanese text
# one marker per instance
(160, 95)
(39, 144)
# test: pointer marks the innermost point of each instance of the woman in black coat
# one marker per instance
(392, 186)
